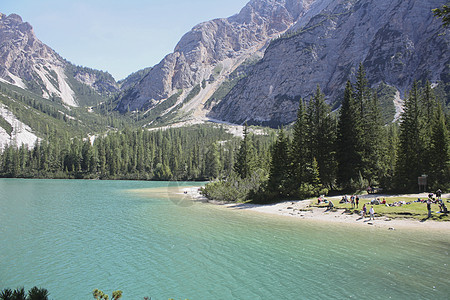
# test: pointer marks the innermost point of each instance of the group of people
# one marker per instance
(371, 212)
(353, 200)
(398, 203)
(436, 200)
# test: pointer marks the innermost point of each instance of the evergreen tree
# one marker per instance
(374, 144)
(427, 108)
(362, 92)
(212, 162)
(278, 175)
(390, 156)
(366, 115)
(19, 294)
(86, 156)
(348, 144)
(321, 137)
(299, 151)
(409, 166)
(36, 293)
(439, 153)
(245, 159)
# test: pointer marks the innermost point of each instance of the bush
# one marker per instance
(360, 184)
(307, 190)
(235, 188)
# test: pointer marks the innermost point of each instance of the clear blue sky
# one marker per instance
(120, 37)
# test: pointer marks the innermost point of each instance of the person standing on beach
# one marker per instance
(372, 213)
(357, 201)
(429, 208)
(364, 211)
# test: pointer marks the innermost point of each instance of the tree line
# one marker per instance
(194, 153)
(348, 151)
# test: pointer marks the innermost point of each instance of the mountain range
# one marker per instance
(251, 67)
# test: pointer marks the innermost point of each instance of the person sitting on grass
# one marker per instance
(330, 205)
(442, 207)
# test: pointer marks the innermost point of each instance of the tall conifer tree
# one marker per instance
(245, 160)
(374, 144)
(427, 107)
(409, 166)
(212, 163)
(321, 137)
(348, 145)
(362, 91)
(439, 153)
(279, 166)
(299, 151)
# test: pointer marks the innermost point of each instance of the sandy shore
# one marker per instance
(301, 209)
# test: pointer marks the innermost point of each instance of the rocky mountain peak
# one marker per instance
(14, 18)
(220, 42)
(397, 41)
(14, 23)
(30, 64)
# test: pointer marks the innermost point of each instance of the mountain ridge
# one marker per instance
(327, 49)
(30, 64)
(208, 44)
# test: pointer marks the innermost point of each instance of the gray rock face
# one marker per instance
(211, 43)
(28, 63)
(397, 41)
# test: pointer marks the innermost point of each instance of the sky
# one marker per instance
(120, 37)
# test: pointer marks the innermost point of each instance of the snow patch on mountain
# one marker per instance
(21, 134)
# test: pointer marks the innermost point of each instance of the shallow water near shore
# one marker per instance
(72, 236)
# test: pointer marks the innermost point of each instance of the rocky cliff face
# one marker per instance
(221, 42)
(397, 41)
(28, 63)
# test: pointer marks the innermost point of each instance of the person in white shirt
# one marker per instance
(372, 213)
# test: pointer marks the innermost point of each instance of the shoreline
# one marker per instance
(301, 209)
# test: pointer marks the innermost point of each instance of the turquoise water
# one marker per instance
(74, 236)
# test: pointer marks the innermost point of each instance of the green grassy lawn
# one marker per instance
(414, 210)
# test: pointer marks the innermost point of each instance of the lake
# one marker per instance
(72, 236)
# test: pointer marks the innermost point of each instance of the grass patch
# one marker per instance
(414, 210)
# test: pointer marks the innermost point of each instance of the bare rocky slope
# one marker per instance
(211, 51)
(398, 41)
(30, 64)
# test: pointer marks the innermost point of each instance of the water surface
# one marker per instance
(72, 236)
